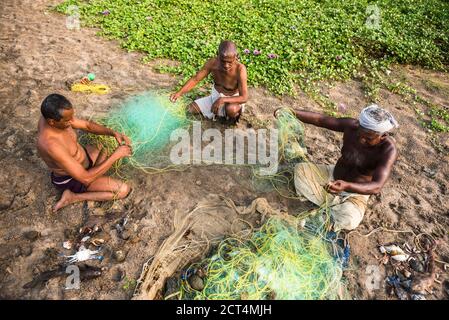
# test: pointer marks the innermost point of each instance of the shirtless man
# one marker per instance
(230, 91)
(77, 171)
(366, 161)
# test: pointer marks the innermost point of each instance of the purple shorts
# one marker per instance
(67, 182)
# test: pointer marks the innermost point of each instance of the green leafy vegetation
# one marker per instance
(437, 116)
(289, 43)
(308, 40)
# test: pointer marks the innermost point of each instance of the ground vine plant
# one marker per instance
(283, 42)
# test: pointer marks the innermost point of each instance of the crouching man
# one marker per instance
(229, 93)
(76, 170)
(366, 161)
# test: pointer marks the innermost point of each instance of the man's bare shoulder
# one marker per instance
(350, 124)
(212, 63)
(49, 144)
(389, 147)
(241, 68)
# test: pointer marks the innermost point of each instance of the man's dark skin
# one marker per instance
(229, 76)
(367, 157)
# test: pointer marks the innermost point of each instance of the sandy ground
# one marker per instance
(39, 55)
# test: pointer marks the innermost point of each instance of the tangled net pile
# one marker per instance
(148, 120)
(291, 150)
(279, 261)
(291, 136)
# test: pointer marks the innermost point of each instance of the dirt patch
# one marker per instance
(39, 55)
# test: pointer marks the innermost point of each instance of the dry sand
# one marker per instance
(39, 55)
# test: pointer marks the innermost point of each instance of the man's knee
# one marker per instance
(103, 155)
(193, 108)
(93, 152)
(346, 216)
(123, 190)
(301, 175)
(233, 110)
(301, 168)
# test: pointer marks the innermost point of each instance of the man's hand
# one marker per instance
(216, 105)
(336, 186)
(123, 151)
(122, 139)
(175, 96)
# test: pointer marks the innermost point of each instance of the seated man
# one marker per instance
(367, 157)
(229, 92)
(76, 170)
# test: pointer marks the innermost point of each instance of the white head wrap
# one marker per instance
(377, 119)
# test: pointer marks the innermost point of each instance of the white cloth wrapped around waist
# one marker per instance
(205, 104)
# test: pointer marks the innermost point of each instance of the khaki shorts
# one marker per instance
(347, 209)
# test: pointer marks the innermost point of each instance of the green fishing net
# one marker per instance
(281, 260)
(148, 120)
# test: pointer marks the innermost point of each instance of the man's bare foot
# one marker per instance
(66, 199)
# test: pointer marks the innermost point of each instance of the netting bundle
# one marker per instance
(291, 150)
(279, 261)
(291, 136)
(148, 120)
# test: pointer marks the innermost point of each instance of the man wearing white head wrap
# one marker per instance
(366, 161)
(377, 119)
